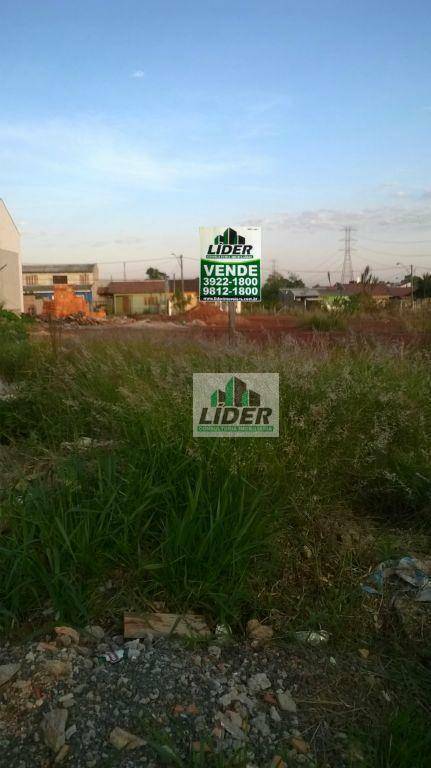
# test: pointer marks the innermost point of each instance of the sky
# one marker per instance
(127, 124)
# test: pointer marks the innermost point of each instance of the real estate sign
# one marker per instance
(230, 263)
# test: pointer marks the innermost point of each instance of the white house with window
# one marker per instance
(10, 263)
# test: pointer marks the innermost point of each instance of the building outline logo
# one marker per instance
(239, 405)
(229, 244)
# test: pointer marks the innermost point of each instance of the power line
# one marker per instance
(397, 255)
(395, 242)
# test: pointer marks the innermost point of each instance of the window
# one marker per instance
(84, 278)
(59, 279)
(31, 280)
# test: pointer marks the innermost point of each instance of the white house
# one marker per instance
(11, 296)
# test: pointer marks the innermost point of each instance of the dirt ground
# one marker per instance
(207, 321)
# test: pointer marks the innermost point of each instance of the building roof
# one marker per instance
(133, 286)
(399, 291)
(147, 286)
(61, 268)
(301, 293)
(377, 289)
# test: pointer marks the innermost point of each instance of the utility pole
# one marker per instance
(180, 258)
(411, 287)
(167, 294)
(400, 264)
(347, 271)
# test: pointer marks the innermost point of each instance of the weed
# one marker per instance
(322, 321)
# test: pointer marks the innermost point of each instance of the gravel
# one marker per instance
(63, 705)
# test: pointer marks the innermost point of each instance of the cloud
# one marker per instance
(331, 219)
(128, 240)
(89, 151)
(138, 74)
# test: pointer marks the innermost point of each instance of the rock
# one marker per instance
(274, 715)
(62, 753)
(67, 700)
(65, 631)
(285, 701)
(199, 746)
(7, 671)
(57, 668)
(228, 723)
(97, 633)
(163, 624)
(54, 728)
(299, 745)
(121, 739)
(46, 647)
(64, 641)
(278, 762)
(259, 682)
(71, 732)
(25, 687)
(260, 724)
(214, 651)
(259, 633)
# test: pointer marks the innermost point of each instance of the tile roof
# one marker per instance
(132, 286)
(147, 286)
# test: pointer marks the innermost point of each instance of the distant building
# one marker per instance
(140, 297)
(380, 293)
(40, 280)
(10, 263)
(291, 297)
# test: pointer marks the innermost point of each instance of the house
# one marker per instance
(10, 263)
(40, 280)
(400, 293)
(291, 297)
(138, 297)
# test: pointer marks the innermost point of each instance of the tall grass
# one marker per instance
(215, 525)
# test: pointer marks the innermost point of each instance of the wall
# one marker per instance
(10, 263)
(46, 278)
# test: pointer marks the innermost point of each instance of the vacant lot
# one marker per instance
(108, 503)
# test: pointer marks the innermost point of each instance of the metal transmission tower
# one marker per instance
(347, 271)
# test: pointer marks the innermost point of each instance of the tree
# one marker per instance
(275, 281)
(181, 300)
(422, 286)
(155, 274)
(367, 277)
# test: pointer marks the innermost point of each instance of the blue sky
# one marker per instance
(126, 125)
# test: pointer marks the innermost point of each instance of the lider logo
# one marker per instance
(235, 405)
(230, 243)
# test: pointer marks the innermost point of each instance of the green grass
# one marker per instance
(219, 526)
(404, 741)
(322, 321)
